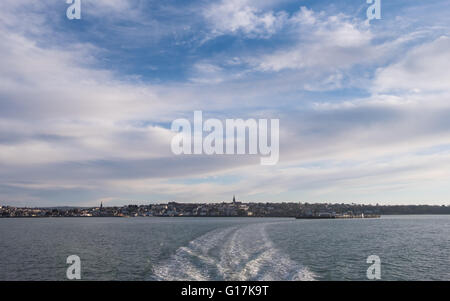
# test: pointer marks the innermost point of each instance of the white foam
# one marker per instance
(233, 253)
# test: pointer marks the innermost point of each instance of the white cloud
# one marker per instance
(425, 68)
(324, 42)
(243, 16)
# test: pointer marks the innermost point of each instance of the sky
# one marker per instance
(86, 105)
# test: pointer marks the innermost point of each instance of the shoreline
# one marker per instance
(225, 216)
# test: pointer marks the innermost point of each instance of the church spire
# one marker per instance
(234, 199)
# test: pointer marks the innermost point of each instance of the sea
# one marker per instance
(220, 248)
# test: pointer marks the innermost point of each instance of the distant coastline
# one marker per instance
(227, 209)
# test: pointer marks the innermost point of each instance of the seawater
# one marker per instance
(410, 248)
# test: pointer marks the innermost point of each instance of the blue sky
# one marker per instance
(86, 105)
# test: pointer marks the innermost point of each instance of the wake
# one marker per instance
(241, 253)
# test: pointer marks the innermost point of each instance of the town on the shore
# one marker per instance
(225, 209)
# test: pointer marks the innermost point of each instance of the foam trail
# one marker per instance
(234, 253)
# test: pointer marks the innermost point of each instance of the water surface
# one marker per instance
(410, 248)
